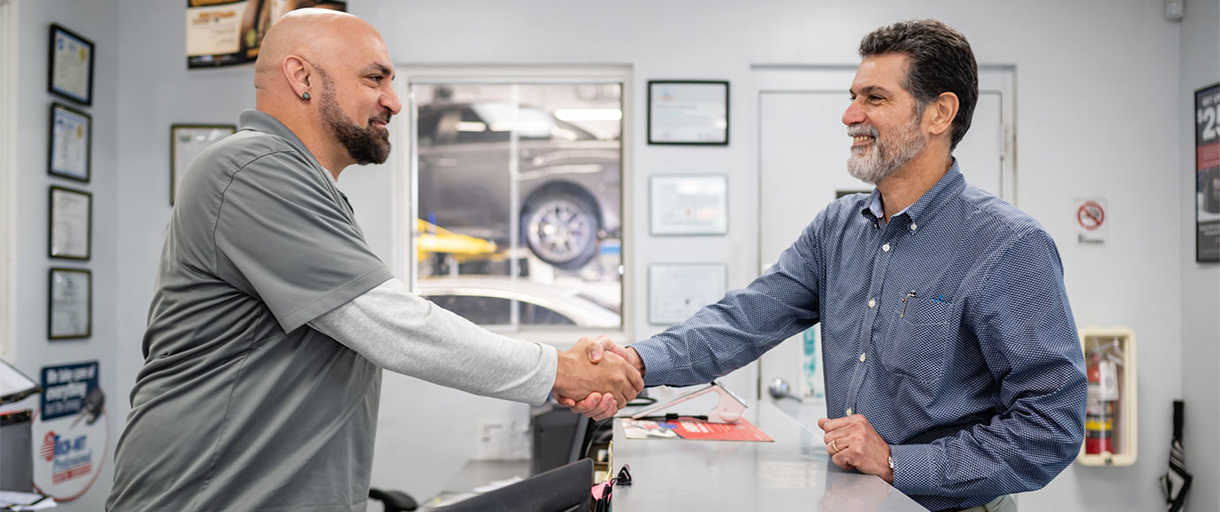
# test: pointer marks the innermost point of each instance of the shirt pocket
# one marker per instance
(918, 342)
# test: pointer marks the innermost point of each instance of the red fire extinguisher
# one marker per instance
(1099, 411)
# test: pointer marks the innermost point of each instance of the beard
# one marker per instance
(367, 145)
(885, 156)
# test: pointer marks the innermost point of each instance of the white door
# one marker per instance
(803, 151)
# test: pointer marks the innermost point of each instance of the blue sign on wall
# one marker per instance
(67, 389)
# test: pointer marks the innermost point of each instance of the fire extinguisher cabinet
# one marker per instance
(1111, 413)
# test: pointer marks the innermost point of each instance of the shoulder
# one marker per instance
(1004, 221)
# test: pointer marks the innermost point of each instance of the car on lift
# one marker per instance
(567, 185)
(488, 300)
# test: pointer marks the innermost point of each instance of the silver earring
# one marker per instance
(305, 96)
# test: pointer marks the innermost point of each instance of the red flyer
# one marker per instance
(686, 427)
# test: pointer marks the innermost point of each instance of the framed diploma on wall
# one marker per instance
(70, 304)
(677, 290)
(683, 205)
(70, 73)
(688, 112)
(71, 224)
(186, 142)
(71, 143)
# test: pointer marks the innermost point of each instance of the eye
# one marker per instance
(376, 78)
(874, 98)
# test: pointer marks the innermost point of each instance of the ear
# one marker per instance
(299, 74)
(941, 112)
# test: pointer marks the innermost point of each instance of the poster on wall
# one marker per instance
(228, 32)
(1207, 174)
(71, 432)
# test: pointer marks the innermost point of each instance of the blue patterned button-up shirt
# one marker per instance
(948, 328)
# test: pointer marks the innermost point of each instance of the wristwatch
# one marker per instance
(891, 463)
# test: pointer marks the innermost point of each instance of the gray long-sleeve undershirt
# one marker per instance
(402, 332)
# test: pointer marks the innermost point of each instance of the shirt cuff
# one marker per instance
(657, 366)
(541, 389)
(916, 469)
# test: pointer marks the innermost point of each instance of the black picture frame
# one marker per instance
(655, 139)
(52, 149)
(53, 309)
(175, 142)
(54, 85)
(54, 223)
(1206, 174)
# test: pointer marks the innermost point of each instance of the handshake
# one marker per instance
(597, 377)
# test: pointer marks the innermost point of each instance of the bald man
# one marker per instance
(272, 319)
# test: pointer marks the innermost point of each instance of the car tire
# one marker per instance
(561, 227)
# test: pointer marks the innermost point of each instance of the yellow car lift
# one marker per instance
(435, 239)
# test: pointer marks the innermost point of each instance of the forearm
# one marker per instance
(404, 333)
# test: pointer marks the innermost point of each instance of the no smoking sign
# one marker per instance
(1091, 221)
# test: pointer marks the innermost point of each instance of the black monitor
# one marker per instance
(560, 437)
(563, 489)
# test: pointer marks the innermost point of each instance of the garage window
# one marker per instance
(518, 198)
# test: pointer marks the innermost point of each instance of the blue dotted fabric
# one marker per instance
(948, 328)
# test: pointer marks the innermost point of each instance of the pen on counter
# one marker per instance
(904, 304)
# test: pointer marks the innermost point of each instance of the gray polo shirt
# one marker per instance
(238, 405)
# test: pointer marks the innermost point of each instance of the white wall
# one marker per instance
(1099, 112)
(99, 21)
(1200, 67)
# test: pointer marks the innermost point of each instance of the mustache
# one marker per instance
(384, 117)
(860, 129)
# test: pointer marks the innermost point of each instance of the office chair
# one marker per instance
(563, 489)
(394, 501)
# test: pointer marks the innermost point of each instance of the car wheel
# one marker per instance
(561, 229)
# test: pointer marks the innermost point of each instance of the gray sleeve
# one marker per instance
(402, 332)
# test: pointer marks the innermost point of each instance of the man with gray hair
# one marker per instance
(953, 369)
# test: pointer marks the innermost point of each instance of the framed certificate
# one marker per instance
(186, 141)
(71, 65)
(71, 143)
(689, 205)
(677, 290)
(71, 224)
(70, 304)
(688, 112)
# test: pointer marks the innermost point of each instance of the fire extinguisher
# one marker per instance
(1099, 411)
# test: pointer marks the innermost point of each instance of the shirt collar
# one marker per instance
(949, 186)
(263, 122)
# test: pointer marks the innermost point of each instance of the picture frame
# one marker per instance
(70, 69)
(678, 290)
(688, 205)
(186, 141)
(70, 145)
(70, 230)
(688, 112)
(1206, 174)
(69, 303)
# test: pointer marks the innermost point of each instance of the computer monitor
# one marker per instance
(560, 437)
(563, 489)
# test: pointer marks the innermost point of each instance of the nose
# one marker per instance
(390, 101)
(854, 114)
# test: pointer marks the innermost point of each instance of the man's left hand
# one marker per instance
(853, 444)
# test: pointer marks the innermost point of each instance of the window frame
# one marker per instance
(406, 174)
(8, 176)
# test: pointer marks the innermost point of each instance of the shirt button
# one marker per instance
(886, 247)
(872, 303)
(914, 226)
(849, 411)
(862, 357)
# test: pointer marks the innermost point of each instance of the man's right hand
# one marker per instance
(602, 405)
(580, 374)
